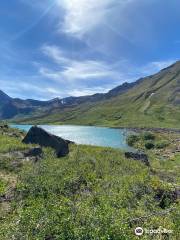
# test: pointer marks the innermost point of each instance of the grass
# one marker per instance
(8, 144)
(112, 114)
(134, 108)
(93, 193)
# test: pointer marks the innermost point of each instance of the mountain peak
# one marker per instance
(4, 96)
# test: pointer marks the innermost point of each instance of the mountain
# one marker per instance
(15, 107)
(18, 108)
(153, 101)
(4, 97)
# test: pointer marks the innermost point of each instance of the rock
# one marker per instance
(4, 126)
(167, 197)
(67, 141)
(35, 152)
(13, 154)
(31, 153)
(177, 193)
(138, 156)
(37, 135)
(15, 135)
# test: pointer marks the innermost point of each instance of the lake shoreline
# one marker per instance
(134, 129)
(158, 130)
(86, 135)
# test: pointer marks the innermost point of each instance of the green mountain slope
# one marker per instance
(153, 102)
(15, 108)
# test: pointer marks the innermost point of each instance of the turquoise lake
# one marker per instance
(88, 135)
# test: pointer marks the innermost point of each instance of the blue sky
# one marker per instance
(59, 48)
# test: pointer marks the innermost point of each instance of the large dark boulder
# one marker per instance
(37, 135)
(138, 156)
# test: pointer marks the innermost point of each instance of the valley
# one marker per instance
(153, 101)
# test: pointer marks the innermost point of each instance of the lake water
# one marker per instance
(88, 135)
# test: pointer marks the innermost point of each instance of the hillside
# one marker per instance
(153, 101)
(92, 193)
(15, 108)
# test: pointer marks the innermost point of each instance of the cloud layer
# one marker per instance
(72, 70)
(80, 47)
(82, 16)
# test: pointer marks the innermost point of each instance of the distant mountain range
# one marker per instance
(152, 101)
(15, 108)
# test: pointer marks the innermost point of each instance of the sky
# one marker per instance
(61, 48)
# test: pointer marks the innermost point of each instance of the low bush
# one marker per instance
(132, 139)
(148, 136)
(2, 187)
(149, 145)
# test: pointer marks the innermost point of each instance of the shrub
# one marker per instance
(162, 144)
(132, 139)
(148, 136)
(149, 145)
(2, 187)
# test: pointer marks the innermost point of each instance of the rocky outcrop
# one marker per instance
(11, 132)
(37, 135)
(138, 156)
(167, 197)
(31, 154)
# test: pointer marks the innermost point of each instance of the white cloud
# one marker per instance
(86, 77)
(88, 91)
(88, 70)
(73, 70)
(78, 17)
(156, 66)
(55, 53)
(31, 88)
(82, 16)
(162, 64)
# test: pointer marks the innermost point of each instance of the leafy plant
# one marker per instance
(2, 187)
(148, 136)
(132, 139)
(149, 145)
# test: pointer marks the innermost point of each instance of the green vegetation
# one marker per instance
(2, 187)
(162, 144)
(149, 145)
(152, 102)
(132, 139)
(7, 145)
(148, 136)
(93, 193)
(149, 140)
